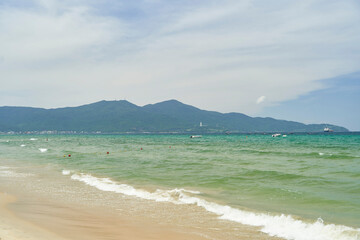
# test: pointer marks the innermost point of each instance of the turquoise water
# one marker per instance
(315, 178)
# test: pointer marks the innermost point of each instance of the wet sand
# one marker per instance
(44, 204)
(40, 220)
(36, 219)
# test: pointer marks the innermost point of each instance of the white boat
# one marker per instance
(276, 135)
(328, 129)
(195, 136)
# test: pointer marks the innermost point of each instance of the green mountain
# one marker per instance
(123, 116)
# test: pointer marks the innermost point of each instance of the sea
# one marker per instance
(295, 186)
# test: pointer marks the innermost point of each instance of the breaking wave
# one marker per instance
(285, 226)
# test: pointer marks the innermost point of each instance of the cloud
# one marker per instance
(218, 56)
(260, 99)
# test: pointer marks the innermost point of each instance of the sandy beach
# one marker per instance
(31, 218)
(50, 221)
(42, 204)
(15, 228)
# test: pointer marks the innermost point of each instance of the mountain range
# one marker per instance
(125, 117)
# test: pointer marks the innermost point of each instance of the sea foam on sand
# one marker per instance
(7, 172)
(66, 172)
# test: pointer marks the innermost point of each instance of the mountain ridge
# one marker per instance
(124, 117)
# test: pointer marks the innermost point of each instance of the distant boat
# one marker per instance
(328, 130)
(276, 135)
(195, 136)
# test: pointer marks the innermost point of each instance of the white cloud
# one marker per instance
(38, 37)
(219, 56)
(260, 99)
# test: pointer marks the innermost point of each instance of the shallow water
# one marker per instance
(285, 185)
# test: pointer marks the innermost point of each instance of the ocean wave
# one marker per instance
(43, 150)
(285, 226)
(105, 184)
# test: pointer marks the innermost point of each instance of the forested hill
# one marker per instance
(123, 116)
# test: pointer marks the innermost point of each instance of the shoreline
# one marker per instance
(174, 187)
(22, 219)
(45, 203)
(26, 215)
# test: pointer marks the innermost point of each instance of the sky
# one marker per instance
(337, 103)
(296, 60)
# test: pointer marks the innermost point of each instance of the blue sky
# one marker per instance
(258, 57)
(337, 103)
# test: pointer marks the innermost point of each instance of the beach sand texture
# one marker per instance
(14, 228)
(60, 222)
(22, 219)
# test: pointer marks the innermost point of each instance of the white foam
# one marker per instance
(22, 145)
(321, 154)
(105, 184)
(42, 149)
(66, 172)
(5, 173)
(284, 226)
(9, 173)
(33, 139)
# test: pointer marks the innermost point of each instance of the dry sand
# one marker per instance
(14, 228)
